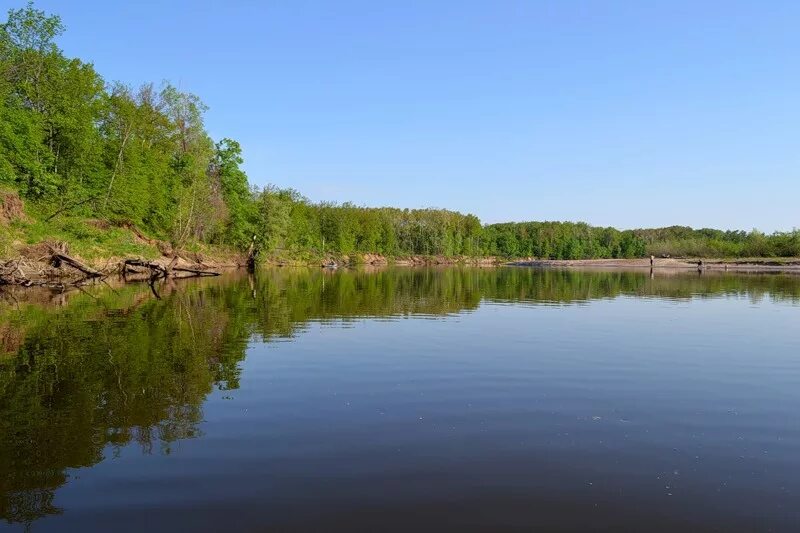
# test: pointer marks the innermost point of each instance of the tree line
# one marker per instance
(74, 145)
(568, 240)
(288, 222)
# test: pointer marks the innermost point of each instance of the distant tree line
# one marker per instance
(568, 240)
(287, 222)
(74, 145)
(685, 241)
(560, 240)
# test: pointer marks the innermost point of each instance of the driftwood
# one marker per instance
(58, 258)
(11, 273)
(160, 271)
(156, 270)
(195, 271)
(36, 273)
(30, 274)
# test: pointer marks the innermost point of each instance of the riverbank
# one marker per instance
(36, 249)
(58, 262)
(126, 252)
(51, 263)
(771, 264)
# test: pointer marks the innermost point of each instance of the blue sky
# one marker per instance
(629, 114)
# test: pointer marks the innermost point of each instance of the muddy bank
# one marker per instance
(730, 265)
(11, 208)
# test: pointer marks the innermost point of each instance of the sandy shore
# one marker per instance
(791, 264)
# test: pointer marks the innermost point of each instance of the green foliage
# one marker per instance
(226, 172)
(684, 241)
(73, 145)
(289, 223)
(560, 240)
(568, 240)
(85, 238)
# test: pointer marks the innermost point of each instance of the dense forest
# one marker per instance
(90, 157)
(567, 240)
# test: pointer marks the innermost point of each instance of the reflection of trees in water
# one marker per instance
(83, 373)
(569, 286)
(91, 376)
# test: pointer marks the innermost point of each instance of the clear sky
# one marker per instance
(629, 114)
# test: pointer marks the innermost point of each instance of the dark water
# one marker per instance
(404, 400)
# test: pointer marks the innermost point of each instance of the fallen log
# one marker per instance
(160, 271)
(195, 271)
(155, 269)
(172, 263)
(58, 258)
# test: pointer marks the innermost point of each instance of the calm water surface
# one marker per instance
(404, 400)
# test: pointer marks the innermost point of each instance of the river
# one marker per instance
(407, 399)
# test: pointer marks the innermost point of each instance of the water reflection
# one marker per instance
(85, 373)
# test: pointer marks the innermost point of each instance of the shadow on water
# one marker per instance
(86, 373)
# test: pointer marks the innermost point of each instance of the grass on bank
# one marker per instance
(90, 239)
